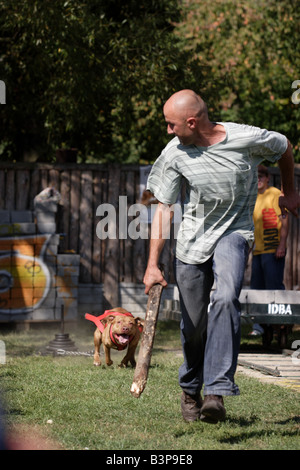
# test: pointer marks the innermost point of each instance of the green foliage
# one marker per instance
(253, 50)
(94, 75)
(88, 74)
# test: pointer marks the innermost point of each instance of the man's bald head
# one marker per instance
(186, 116)
(186, 104)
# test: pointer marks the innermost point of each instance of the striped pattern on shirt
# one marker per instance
(221, 186)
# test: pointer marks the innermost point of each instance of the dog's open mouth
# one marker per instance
(122, 339)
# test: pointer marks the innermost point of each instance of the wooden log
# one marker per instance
(144, 357)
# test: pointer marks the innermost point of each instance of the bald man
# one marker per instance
(218, 162)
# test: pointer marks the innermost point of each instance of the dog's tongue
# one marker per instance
(123, 339)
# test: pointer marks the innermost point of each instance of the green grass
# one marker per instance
(92, 408)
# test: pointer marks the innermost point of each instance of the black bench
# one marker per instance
(273, 309)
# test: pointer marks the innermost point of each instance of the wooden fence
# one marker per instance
(83, 188)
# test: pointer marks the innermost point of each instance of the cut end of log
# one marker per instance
(136, 390)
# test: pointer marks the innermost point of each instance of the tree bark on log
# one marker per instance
(144, 357)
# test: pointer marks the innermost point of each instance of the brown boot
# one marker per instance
(191, 406)
(213, 409)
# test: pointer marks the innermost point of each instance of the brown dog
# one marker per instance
(116, 329)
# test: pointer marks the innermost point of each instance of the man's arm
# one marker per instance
(291, 199)
(160, 231)
(284, 231)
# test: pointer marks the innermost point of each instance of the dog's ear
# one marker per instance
(139, 321)
(108, 319)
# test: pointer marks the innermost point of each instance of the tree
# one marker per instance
(89, 74)
(253, 50)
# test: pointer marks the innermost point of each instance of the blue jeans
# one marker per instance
(211, 340)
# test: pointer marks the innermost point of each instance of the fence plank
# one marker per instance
(74, 211)
(35, 187)
(2, 189)
(86, 226)
(10, 190)
(128, 260)
(65, 201)
(112, 252)
(97, 244)
(44, 179)
(22, 189)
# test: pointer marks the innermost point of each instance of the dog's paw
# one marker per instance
(97, 363)
(109, 363)
(122, 365)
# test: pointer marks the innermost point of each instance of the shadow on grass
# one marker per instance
(242, 422)
(258, 434)
(294, 420)
(275, 429)
(239, 422)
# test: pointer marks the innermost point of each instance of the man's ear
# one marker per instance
(191, 122)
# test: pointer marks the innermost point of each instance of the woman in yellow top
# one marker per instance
(270, 234)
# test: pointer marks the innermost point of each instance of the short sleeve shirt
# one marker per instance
(221, 186)
(267, 221)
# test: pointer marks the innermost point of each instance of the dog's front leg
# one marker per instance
(97, 343)
(129, 356)
(108, 360)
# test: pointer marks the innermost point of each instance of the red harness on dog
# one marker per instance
(101, 326)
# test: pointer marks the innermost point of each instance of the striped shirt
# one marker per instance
(221, 186)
